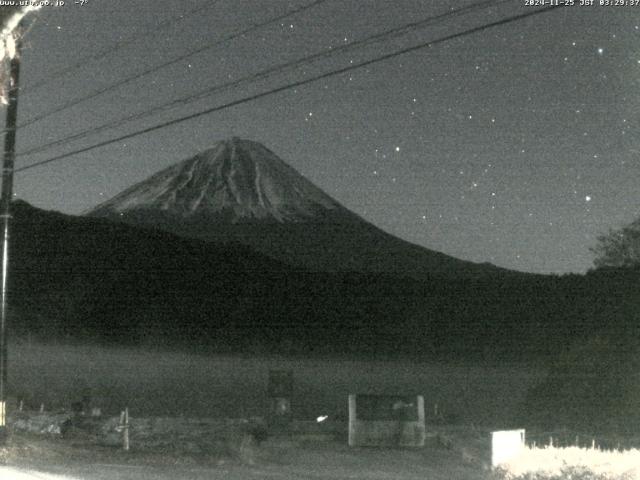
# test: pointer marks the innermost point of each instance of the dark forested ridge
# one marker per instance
(79, 278)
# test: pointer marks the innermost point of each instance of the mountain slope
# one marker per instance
(79, 278)
(239, 190)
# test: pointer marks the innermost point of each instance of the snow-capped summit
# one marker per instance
(239, 180)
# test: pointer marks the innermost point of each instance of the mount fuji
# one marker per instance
(239, 190)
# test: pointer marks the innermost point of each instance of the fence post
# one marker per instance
(124, 424)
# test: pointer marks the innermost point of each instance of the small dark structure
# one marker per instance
(386, 420)
(280, 392)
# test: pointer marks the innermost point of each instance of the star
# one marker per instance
(600, 51)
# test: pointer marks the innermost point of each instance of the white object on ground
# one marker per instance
(10, 473)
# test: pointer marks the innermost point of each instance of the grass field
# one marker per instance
(173, 383)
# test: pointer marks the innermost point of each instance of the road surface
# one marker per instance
(313, 462)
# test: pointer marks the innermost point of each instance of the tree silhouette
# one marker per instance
(619, 248)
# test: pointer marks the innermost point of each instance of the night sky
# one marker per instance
(517, 145)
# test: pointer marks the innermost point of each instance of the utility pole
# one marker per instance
(5, 216)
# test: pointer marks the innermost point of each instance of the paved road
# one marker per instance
(306, 464)
(275, 459)
(117, 472)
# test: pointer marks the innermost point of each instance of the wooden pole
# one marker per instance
(5, 216)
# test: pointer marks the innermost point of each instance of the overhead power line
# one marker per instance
(288, 86)
(81, 62)
(332, 51)
(175, 60)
